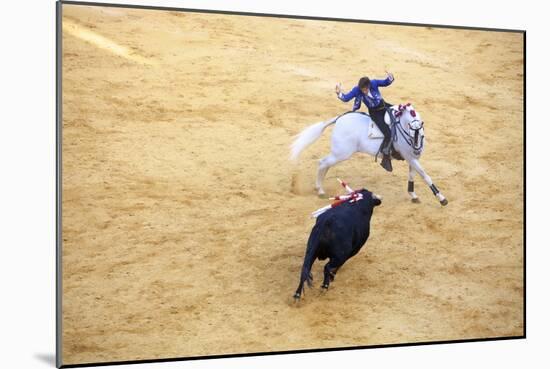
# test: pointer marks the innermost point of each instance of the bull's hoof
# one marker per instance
(444, 202)
(416, 200)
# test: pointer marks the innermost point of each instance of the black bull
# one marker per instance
(338, 234)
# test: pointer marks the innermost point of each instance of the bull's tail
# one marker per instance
(309, 259)
(308, 136)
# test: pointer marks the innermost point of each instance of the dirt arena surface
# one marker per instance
(185, 224)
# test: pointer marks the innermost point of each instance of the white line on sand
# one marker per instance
(102, 42)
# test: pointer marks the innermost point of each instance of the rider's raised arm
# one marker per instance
(350, 95)
(382, 82)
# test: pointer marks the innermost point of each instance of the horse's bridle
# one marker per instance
(417, 145)
(412, 140)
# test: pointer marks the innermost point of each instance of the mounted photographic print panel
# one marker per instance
(239, 184)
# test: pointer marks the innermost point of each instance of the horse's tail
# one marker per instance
(308, 136)
(309, 259)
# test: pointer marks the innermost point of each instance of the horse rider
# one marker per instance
(368, 92)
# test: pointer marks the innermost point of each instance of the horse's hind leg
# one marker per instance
(324, 165)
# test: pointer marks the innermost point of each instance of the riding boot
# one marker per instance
(386, 159)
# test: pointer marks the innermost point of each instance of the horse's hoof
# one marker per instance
(322, 196)
(297, 297)
(444, 202)
(324, 287)
(416, 200)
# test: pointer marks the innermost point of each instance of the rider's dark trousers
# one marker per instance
(377, 115)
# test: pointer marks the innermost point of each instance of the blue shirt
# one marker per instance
(372, 100)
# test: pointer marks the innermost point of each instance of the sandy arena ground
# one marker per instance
(185, 224)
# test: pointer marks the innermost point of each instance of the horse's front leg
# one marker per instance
(410, 188)
(415, 164)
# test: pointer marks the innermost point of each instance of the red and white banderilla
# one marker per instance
(352, 196)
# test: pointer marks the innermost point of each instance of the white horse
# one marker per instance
(356, 132)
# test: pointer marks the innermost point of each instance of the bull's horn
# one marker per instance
(377, 196)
